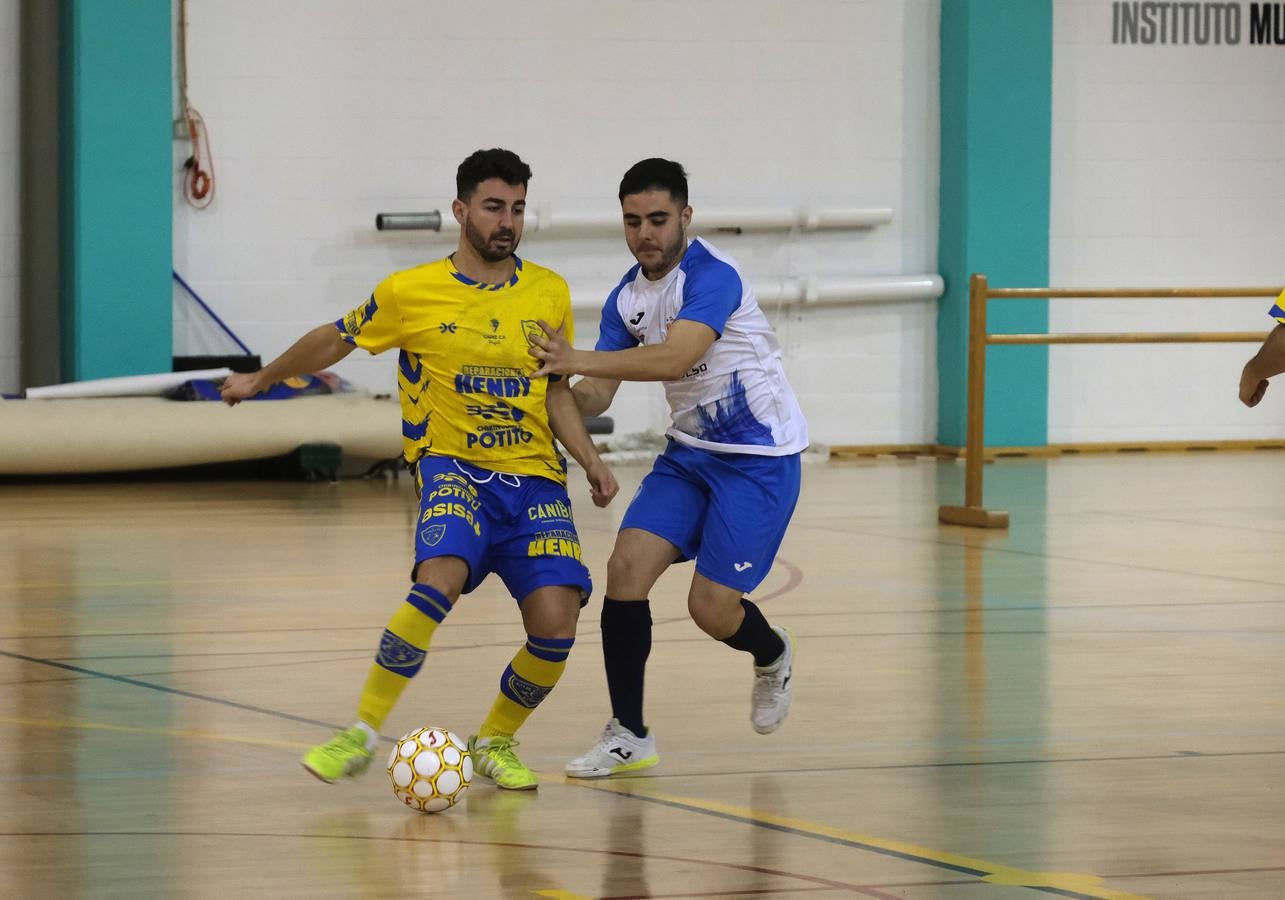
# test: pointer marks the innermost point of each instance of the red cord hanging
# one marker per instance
(198, 181)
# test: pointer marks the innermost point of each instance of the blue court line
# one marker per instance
(123, 679)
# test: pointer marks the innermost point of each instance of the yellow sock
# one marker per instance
(401, 652)
(534, 671)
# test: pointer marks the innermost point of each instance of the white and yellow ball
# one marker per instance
(430, 769)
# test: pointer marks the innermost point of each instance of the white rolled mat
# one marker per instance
(125, 386)
(123, 434)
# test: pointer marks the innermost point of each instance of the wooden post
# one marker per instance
(972, 513)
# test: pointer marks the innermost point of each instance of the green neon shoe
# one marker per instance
(494, 758)
(343, 756)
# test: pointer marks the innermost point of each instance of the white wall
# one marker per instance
(324, 113)
(9, 196)
(1168, 169)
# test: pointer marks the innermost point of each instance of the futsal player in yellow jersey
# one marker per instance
(1268, 361)
(478, 431)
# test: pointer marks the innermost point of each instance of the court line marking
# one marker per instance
(206, 632)
(124, 679)
(72, 679)
(139, 729)
(628, 854)
(207, 735)
(163, 582)
(1177, 755)
(794, 577)
(690, 895)
(890, 611)
(1247, 871)
(1068, 884)
(1017, 551)
(1087, 887)
(821, 636)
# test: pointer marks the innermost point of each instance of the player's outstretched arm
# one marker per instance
(594, 395)
(1267, 362)
(685, 343)
(567, 425)
(323, 346)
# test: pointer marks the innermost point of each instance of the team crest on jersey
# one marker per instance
(432, 535)
(531, 328)
(495, 337)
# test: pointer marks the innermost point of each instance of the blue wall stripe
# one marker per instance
(996, 131)
(117, 156)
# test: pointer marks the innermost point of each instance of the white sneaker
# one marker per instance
(771, 699)
(618, 750)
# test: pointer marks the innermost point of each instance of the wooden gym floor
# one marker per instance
(1088, 705)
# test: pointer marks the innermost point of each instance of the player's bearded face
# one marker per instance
(492, 218)
(493, 244)
(655, 230)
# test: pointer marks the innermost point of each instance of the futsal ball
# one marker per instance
(430, 769)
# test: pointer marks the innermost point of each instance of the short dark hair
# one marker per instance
(494, 163)
(656, 174)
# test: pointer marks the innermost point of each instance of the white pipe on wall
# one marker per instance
(813, 290)
(545, 218)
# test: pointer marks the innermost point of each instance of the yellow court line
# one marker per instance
(994, 873)
(133, 729)
(554, 894)
(230, 579)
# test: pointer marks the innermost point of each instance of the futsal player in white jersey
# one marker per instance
(724, 489)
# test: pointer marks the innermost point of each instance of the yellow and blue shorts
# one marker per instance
(517, 526)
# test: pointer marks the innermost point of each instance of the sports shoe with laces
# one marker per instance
(618, 750)
(343, 756)
(771, 698)
(494, 758)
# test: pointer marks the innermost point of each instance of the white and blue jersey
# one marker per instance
(735, 399)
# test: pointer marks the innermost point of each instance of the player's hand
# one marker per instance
(602, 484)
(239, 386)
(553, 351)
(1252, 387)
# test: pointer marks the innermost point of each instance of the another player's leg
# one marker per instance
(725, 615)
(549, 614)
(751, 501)
(401, 653)
(626, 744)
(661, 527)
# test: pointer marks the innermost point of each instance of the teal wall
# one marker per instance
(996, 125)
(116, 159)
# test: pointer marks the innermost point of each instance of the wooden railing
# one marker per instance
(972, 513)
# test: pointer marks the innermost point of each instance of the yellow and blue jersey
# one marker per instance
(464, 373)
(1278, 309)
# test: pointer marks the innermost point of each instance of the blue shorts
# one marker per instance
(728, 511)
(517, 526)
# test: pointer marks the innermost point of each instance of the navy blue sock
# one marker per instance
(626, 644)
(756, 636)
